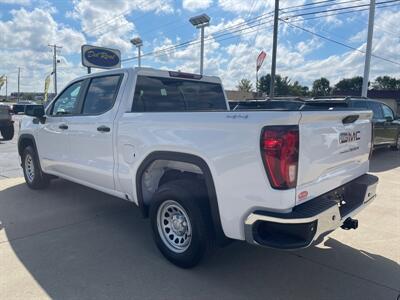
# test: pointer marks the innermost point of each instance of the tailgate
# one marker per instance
(334, 149)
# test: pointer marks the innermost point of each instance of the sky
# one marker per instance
(238, 31)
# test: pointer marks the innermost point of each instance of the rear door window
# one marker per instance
(159, 94)
(101, 94)
(359, 104)
(387, 112)
(377, 110)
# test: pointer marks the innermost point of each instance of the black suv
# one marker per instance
(386, 125)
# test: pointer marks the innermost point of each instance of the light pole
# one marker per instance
(201, 21)
(137, 41)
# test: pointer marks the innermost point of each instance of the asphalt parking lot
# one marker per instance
(71, 242)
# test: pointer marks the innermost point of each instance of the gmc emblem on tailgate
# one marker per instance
(346, 137)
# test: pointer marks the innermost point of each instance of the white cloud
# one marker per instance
(16, 2)
(106, 22)
(25, 37)
(257, 7)
(193, 5)
(24, 42)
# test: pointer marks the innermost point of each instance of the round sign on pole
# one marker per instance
(100, 57)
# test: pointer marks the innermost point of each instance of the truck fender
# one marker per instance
(187, 158)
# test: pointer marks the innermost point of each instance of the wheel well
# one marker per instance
(162, 166)
(25, 142)
(162, 171)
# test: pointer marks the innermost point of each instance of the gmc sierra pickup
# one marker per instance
(168, 142)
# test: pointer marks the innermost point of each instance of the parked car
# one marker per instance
(385, 122)
(6, 122)
(203, 174)
(286, 104)
(19, 107)
(386, 125)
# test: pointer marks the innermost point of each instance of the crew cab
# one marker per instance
(203, 174)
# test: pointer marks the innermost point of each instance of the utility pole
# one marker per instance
(19, 75)
(274, 46)
(55, 61)
(368, 52)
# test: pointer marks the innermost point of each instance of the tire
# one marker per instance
(396, 147)
(8, 133)
(35, 178)
(180, 222)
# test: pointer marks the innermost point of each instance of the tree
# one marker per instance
(245, 85)
(283, 86)
(296, 89)
(321, 87)
(263, 84)
(349, 85)
(386, 83)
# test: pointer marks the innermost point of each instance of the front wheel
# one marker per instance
(34, 176)
(180, 222)
(8, 133)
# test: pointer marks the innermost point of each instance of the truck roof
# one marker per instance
(155, 72)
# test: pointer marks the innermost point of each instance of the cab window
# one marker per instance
(387, 112)
(67, 103)
(101, 94)
(359, 104)
(376, 109)
(162, 94)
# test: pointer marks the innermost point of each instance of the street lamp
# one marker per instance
(137, 41)
(201, 21)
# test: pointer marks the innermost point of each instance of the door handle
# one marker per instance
(63, 126)
(103, 128)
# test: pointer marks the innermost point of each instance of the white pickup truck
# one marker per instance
(203, 174)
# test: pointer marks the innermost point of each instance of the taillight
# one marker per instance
(280, 153)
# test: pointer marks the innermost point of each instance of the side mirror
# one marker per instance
(389, 119)
(35, 111)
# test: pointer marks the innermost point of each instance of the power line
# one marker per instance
(337, 13)
(242, 24)
(248, 21)
(126, 12)
(308, 4)
(194, 42)
(337, 42)
(344, 8)
(320, 6)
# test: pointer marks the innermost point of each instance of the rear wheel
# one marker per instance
(35, 178)
(8, 133)
(180, 222)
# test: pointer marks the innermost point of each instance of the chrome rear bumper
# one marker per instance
(308, 223)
